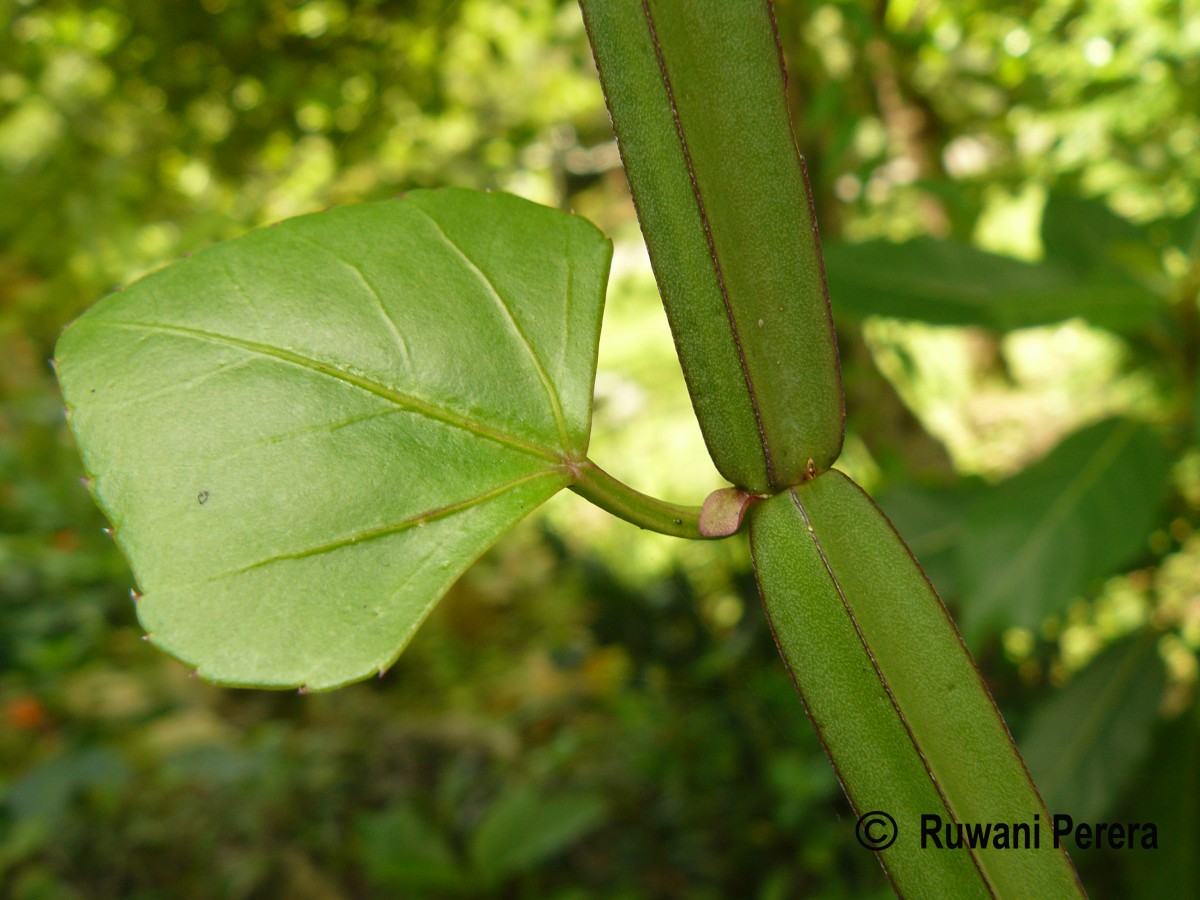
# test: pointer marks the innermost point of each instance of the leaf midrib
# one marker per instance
(399, 399)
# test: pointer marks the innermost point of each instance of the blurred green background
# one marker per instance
(1006, 191)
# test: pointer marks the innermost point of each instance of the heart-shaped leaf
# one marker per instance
(304, 435)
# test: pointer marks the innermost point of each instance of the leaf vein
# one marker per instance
(383, 531)
(402, 400)
(490, 288)
(373, 292)
(176, 386)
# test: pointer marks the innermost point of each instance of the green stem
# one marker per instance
(594, 484)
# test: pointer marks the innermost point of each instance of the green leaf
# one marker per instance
(1084, 743)
(524, 828)
(1086, 237)
(696, 91)
(403, 852)
(931, 520)
(49, 789)
(946, 282)
(900, 707)
(1034, 542)
(303, 436)
(1168, 794)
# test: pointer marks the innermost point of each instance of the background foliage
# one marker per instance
(1021, 384)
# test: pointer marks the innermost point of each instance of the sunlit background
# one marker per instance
(1006, 193)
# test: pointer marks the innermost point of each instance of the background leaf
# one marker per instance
(303, 436)
(1086, 237)
(523, 828)
(1039, 538)
(1083, 744)
(403, 852)
(1168, 794)
(931, 521)
(948, 282)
